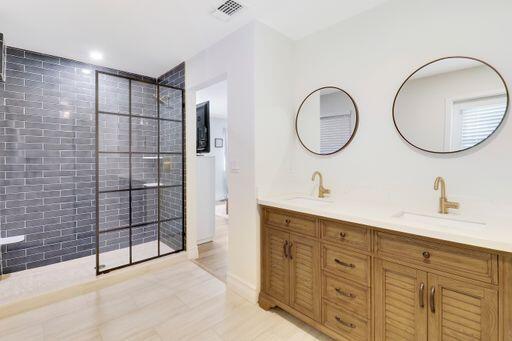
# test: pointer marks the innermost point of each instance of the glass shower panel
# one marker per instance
(144, 99)
(144, 170)
(171, 170)
(114, 249)
(114, 172)
(171, 140)
(113, 94)
(114, 133)
(114, 208)
(140, 168)
(171, 236)
(144, 242)
(144, 135)
(171, 104)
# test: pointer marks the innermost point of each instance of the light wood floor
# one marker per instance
(213, 256)
(182, 302)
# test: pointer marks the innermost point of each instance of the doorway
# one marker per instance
(212, 179)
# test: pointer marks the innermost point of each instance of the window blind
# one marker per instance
(335, 131)
(479, 122)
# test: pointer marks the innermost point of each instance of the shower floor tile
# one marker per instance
(33, 282)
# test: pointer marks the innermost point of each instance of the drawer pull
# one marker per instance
(346, 324)
(287, 222)
(342, 235)
(433, 299)
(346, 294)
(426, 254)
(344, 264)
(285, 249)
(421, 294)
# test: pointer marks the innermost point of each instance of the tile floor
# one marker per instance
(23, 284)
(181, 302)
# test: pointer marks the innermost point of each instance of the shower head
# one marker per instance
(163, 99)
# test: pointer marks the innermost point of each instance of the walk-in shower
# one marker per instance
(50, 234)
(139, 171)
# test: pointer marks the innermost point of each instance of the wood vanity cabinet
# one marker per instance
(291, 275)
(356, 282)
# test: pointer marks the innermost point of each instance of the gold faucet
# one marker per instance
(322, 191)
(444, 204)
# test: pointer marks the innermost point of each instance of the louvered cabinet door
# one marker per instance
(277, 267)
(400, 302)
(305, 286)
(461, 311)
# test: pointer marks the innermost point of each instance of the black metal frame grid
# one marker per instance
(130, 189)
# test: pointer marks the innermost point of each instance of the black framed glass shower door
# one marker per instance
(139, 171)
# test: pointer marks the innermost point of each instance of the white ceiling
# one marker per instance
(217, 95)
(151, 36)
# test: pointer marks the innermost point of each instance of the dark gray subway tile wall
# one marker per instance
(172, 232)
(47, 160)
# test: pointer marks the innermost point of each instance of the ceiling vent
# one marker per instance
(227, 9)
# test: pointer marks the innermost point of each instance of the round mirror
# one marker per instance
(450, 105)
(326, 120)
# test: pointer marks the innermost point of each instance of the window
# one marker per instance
(473, 120)
(335, 131)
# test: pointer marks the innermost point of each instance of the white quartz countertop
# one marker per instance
(495, 233)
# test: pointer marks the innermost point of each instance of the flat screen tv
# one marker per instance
(203, 128)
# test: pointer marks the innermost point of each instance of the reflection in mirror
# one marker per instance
(326, 121)
(450, 105)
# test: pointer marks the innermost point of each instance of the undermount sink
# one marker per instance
(439, 220)
(309, 201)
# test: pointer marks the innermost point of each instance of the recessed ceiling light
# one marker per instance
(86, 71)
(96, 55)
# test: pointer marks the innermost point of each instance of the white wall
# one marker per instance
(256, 62)
(231, 59)
(369, 56)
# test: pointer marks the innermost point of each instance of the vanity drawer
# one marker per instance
(353, 235)
(346, 324)
(348, 264)
(294, 222)
(470, 263)
(346, 294)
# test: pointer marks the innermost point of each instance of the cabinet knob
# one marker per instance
(426, 254)
(342, 235)
(287, 222)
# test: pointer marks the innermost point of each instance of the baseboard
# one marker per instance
(204, 240)
(242, 288)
